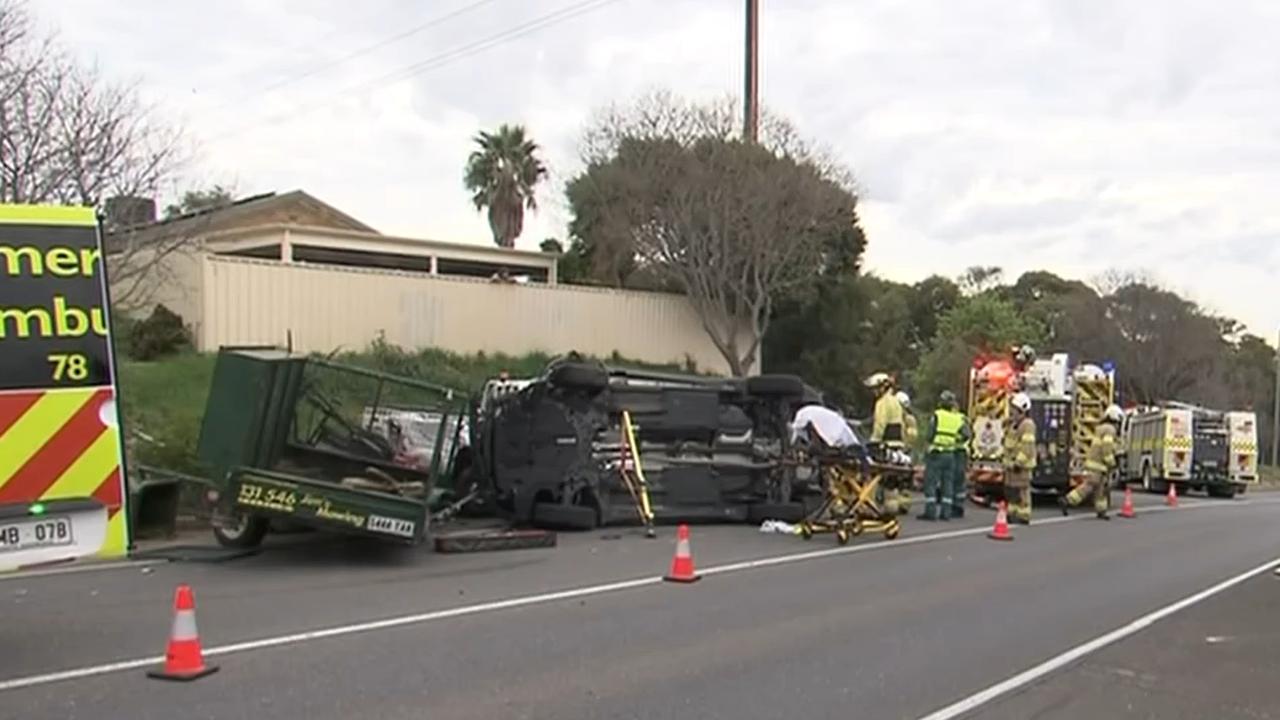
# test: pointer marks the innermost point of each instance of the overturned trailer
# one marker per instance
(555, 451)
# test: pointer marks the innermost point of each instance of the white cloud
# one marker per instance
(1070, 135)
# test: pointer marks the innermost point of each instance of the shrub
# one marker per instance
(161, 334)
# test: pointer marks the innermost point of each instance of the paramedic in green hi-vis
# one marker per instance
(946, 427)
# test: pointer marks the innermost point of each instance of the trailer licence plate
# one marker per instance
(391, 526)
(27, 534)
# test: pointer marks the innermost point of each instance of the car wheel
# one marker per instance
(579, 376)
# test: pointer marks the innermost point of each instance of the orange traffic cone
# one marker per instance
(1171, 499)
(1001, 530)
(1126, 510)
(183, 658)
(682, 564)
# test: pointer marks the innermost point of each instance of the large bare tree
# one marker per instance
(671, 188)
(68, 135)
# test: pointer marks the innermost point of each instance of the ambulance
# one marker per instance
(62, 483)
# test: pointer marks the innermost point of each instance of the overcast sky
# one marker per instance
(1069, 135)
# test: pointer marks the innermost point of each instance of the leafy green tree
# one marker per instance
(978, 324)
(739, 228)
(849, 330)
(502, 175)
(1251, 383)
(197, 200)
(931, 298)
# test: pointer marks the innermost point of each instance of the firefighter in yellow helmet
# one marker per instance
(887, 423)
(1019, 458)
(1099, 462)
(910, 434)
(886, 429)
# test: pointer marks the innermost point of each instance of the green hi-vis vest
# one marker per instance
(946, 435)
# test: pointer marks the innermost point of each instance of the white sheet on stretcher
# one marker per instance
(829, 425)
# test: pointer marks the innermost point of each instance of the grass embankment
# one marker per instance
(165, 399)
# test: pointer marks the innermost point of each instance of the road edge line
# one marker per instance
(1061, 660)
(530, 600)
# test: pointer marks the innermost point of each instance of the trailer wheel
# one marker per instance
(247, 531)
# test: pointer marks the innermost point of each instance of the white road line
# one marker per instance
(74, 569)
(539, 599)
(1059, 661)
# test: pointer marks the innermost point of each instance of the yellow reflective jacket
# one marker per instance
(1020, 445)
(947, 431)
(886, 426)
(1101, 456)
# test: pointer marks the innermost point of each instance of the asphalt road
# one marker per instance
(897, 629)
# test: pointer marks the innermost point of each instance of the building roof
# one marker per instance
(249, 210)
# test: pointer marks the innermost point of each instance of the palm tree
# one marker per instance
(501, 175)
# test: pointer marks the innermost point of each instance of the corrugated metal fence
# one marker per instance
(323, 308)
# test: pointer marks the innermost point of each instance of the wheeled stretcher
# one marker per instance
(855, 482)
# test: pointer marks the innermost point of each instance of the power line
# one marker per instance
(439, 20)
(431, 63)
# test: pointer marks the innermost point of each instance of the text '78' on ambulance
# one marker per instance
(62, 482)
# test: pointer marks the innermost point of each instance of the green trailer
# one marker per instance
(301, 440)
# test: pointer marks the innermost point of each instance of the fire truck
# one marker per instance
(1067, 404)
(1193, 447)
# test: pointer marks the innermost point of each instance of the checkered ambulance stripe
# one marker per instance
(57, 444)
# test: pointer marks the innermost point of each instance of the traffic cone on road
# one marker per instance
(1171, 499)
(183, 658)
(1126, 510)
(682, 564)
(1001, 529)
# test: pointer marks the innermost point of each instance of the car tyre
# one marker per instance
(579, 376)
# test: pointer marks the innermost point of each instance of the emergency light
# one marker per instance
(36, 509)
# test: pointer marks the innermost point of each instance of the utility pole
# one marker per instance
(1275, 414)
(751, 91)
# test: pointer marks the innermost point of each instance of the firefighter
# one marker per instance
(946, 428)
(910, 434)
(886, 426)
(1099, 462)
(1019, 459)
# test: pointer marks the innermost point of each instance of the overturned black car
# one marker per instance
(550, 451)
